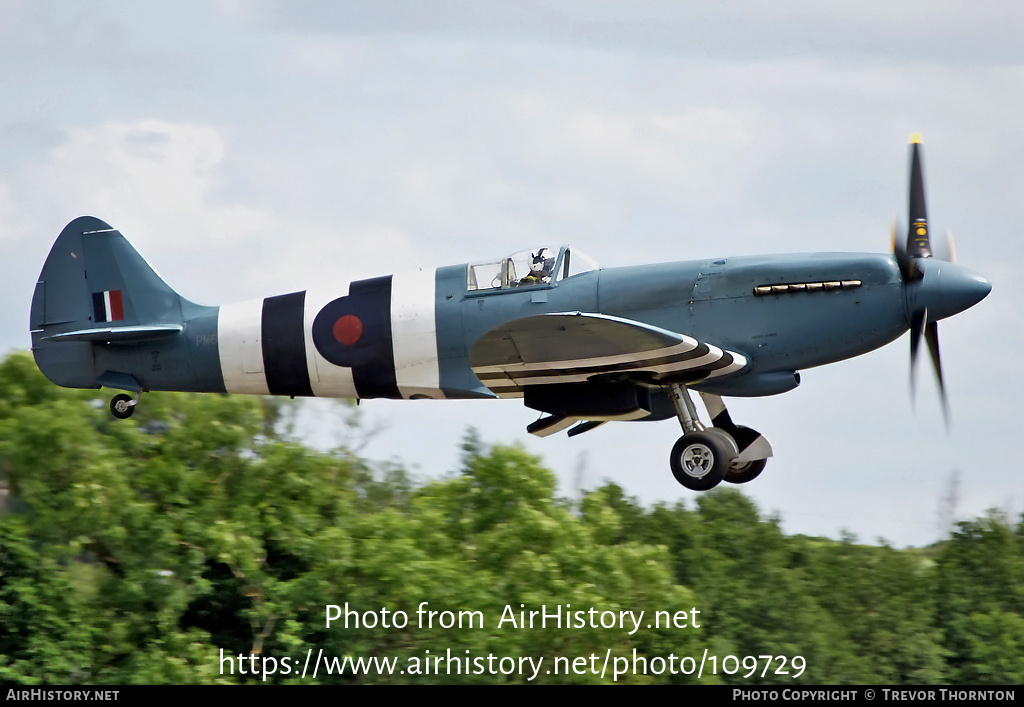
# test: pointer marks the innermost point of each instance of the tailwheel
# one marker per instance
(122, 406)
(700, 460)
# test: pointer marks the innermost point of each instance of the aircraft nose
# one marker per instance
(962, 288)
(948, 289)
(974, 289)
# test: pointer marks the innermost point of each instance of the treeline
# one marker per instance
(148, 550)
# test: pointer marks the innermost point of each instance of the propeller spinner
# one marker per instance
(933, 289)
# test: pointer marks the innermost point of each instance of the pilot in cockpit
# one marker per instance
(541, 264)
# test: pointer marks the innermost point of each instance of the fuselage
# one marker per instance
(409, 335)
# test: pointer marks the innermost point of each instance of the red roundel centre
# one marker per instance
(348, 329)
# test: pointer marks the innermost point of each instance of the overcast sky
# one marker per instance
(254, 148)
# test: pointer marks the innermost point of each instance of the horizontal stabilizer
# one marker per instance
(118, 335)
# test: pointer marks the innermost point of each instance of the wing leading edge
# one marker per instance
(576, 347)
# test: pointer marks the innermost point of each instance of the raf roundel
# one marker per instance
(348, 331)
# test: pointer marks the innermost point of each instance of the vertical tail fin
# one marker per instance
(95, 289)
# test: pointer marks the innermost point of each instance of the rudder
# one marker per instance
(95, 288)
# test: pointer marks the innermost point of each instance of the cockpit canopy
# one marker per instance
(514, 270)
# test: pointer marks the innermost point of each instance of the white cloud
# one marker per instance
(153, 165)
(155, 180)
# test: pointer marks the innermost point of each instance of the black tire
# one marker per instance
(751, 470)
(119, 407)
(699, 460)
(745, 472)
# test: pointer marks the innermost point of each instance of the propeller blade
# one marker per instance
(931, 335)
(945, 248)
(917, 326)
(918, 244)
(950, 247)
(899, 249)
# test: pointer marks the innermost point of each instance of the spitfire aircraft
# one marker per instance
(580, 344)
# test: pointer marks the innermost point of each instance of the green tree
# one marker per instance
(43, 633)
(882, 601)
(146, 550)
(980, 600)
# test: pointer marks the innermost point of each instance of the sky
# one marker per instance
(250, 148)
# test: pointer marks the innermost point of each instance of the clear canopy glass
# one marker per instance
(514, 270)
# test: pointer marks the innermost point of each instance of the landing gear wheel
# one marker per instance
(742, 473)
(745, 472)
(699, 460)
(120, 406)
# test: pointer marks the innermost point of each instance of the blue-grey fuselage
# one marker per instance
(783, 313)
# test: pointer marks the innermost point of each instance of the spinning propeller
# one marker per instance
(934, 289)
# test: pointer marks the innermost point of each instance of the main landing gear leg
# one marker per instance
(701, 457)
(705, 456)
(123, 405)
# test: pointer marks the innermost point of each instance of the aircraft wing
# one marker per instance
(574, 347)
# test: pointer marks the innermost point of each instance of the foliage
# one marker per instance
(170, 547)
(981, 600)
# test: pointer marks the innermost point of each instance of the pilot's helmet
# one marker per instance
(542, 262)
